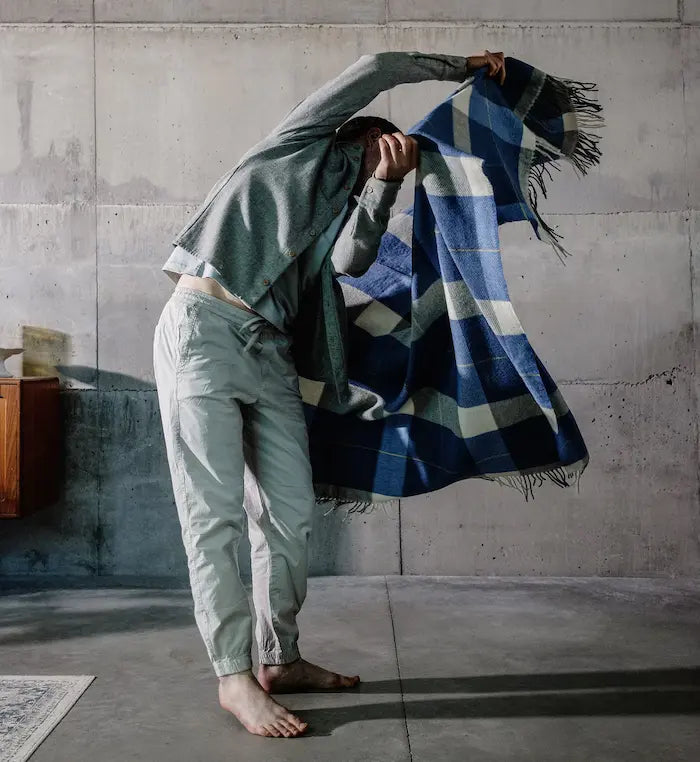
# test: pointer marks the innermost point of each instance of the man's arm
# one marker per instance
(357, 244)
(322, 112)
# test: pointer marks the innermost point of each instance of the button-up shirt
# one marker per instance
(258, 217)
(279, 305)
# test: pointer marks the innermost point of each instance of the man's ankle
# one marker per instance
(286, 664)
(244, 673)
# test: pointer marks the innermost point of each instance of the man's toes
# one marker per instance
(282, 728)
(296, 722)
(272, 730)
(290, 726)
(293, 729)
(348, 682)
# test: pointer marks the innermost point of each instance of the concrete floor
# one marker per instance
(453, 668)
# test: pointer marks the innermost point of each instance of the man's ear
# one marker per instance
(372, 136)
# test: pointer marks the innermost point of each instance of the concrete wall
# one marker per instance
(118, 116)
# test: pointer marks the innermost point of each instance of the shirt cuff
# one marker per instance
(380, 192)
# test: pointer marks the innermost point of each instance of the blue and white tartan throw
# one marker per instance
(443, 383)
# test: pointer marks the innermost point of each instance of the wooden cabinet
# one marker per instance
(31, 453)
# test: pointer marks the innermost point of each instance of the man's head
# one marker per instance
(365, 131)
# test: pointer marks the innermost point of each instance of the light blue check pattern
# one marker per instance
(444, 382)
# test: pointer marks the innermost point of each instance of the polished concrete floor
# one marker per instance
(453, 668)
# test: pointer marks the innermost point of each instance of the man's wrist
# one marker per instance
(378, 192)
(387, 179)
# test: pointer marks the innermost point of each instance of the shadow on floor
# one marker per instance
(646, 678)
(35, 618)
(586, 694)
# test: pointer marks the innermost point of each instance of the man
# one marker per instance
(257, 303)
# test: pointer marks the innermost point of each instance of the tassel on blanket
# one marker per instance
(352, 506)
(525, 483)
(559, 96)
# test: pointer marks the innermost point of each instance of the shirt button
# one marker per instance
(312, 232)
(370, 190)
(266, 281)
(292, 253)
(336, 209)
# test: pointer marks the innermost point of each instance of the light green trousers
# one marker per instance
(236, 440)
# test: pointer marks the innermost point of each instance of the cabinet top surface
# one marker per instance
(26, 379)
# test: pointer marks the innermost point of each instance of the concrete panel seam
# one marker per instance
(691, 258)
(154, 204)
(535, 24)
(98, 534)
(45, 24)
(456, 25)
(94, 195)
(184, 204)
(193, 204)
(412, 24)
(118, 391)
(670, 376)
(400, 540)
(75, 203)
(398, 668)
(252, 25)
(680, 210)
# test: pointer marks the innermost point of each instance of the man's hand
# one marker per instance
(494, 61)
(399, 155)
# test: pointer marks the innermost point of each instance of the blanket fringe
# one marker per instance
(526, 483)
(562, 476)
(353, 506)
(565, 94)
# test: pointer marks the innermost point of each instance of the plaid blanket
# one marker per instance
(444, 384)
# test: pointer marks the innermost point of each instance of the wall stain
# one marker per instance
(57, 178)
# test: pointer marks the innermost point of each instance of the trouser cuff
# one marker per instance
(282, 655)
(232, 665)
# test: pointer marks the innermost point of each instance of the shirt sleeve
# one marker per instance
(357, 244)
(321, 113)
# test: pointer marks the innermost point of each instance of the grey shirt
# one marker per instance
(261, 214)
(281, 302)
(351, 251)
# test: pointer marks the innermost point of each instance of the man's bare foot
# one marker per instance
(242, 695)
(301, 675)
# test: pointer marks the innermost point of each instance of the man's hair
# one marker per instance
(357, 126)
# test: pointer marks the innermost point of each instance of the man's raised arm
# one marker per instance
(322, 112)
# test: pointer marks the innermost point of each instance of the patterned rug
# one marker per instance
(30, 708)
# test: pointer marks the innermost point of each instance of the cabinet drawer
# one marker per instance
(9, 449)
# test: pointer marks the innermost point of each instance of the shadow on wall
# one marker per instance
(117, 489)
(43, 350)
(104, 379)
